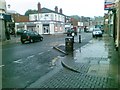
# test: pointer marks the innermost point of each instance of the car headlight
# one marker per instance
(93, 32)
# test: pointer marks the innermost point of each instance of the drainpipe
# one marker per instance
(114, 24)
(119, 22)
(118, 27)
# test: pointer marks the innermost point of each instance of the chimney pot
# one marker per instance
(39, 7)
(56, 9)
(60, 10)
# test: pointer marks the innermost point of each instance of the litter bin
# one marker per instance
(69, 44)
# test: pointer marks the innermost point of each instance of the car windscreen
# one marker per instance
(96, 30)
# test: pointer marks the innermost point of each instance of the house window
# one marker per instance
(52, 16)
(35, 17)
(46, 15)
(59, 18)
(56, 27)
(55, 17)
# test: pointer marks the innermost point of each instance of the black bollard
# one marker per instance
(79, 38)
(73, 39)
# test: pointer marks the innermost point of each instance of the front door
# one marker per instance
(46, 29)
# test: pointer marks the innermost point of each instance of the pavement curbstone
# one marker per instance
(11, 41)
(69, 67)
(55, 47)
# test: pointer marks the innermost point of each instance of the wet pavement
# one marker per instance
(12, 40)
(94, 65)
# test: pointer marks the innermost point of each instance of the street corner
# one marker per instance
(69, 67)
(74, 66)
(10, 41)
(5, 42)
(60, 48)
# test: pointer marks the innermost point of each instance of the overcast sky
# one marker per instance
(70, 7)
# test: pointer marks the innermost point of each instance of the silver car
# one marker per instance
(97, 32)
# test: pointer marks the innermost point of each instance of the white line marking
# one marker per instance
(2, 65)
(18, 61)
(30, 56)
(54, 60)
(40, 53)
(48, 50)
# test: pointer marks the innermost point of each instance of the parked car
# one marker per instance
(102, 29)
(86, 29)
(31, 36)
(97, 32)
(91, 29)
(20, 31)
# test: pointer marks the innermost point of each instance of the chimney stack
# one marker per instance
(60, 10)
(56, 9)
(39, 7)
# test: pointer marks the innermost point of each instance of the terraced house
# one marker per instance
(112, 20)
(2, 24)
(117, 4)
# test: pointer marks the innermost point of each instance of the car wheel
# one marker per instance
(22, 41)
(93, 36)
(41, 39)
(31, 41)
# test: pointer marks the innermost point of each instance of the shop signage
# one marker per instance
(108, 6)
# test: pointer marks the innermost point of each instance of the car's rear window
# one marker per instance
(97, 29)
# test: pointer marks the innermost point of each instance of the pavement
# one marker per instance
(93, 65)
(12, 40)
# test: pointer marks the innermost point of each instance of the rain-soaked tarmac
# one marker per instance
(94, 65)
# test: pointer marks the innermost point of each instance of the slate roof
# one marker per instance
(46, 10)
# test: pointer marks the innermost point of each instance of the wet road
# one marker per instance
(94, 65)
(25, 63)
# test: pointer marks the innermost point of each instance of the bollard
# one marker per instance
(73, 34)
(79, 38)
(73, 39)
(69, 44)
